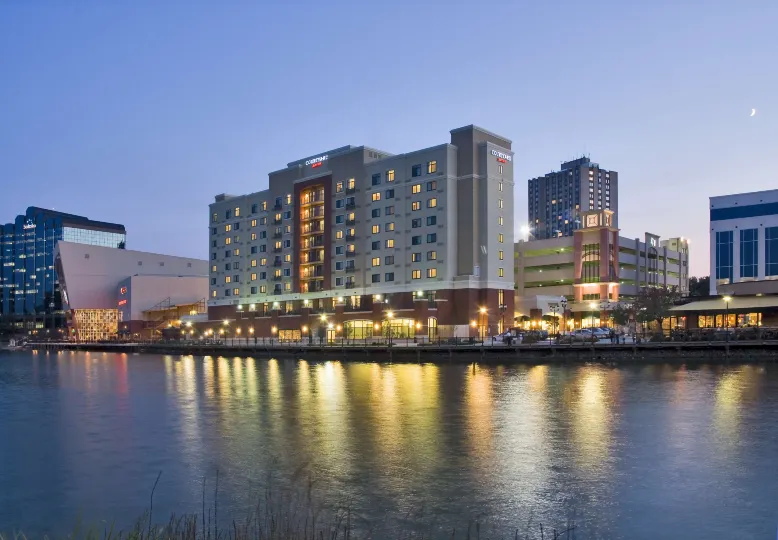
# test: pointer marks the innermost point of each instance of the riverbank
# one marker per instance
(679, 352)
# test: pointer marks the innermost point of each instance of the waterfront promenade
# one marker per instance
(407, 351)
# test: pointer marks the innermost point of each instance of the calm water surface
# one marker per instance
(638, 452)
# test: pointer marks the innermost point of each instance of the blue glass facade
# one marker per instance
(749, 253)
(771, 251)
(29, 288)
(724, 256)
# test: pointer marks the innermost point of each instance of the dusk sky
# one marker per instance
(140, 112)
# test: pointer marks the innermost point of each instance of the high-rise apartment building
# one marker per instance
(557, 200)
(353, 241)
(29, 286)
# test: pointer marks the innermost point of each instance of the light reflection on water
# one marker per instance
(621, 450)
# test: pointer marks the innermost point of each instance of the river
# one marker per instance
(629, 452)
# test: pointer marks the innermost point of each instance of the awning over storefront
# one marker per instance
(737, 303)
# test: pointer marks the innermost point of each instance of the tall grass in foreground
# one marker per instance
(277, 515)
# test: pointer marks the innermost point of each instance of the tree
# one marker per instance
(621, 314)
(523, 319)
(699, 286)
(551, 321)
(654, 303)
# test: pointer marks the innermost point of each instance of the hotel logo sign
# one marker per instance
(501, 157)
(28, 225)
(316, 162)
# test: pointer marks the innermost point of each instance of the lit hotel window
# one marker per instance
(236, 292)
(416, 188)
(227, 241)
(376, 229)
(376, 261)
(227, 228)
(339, 187)
(416, 274)
(263, 262)
(237, 213)
(432, 272)
(253, 222)
(389, 226)
(501, 254)
(499, 220)
(263, 289)
(500, 238)
(264, 205)
(416, 205)
(432, 167)
(415, 257)
(214, 219)
(351, 183)
(288, 199)
(390, 243)
(288, 257)
(253, 277)
(237, 251)
(390, 175)
(213, 294)
(253, 236)
(432, 203)
(432, 255)
(500, 272)
(227, 279)
(377, 196)
(499, 203)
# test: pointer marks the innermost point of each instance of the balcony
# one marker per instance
(350, 284)
(278, 235)
(350, 237)
(316, 198)
(278, 291)
(351, 205)
(351, 190)
(277, 221)
(277, 250)
(277, 278)
(313, 286)
(277, 206)
(314, 228)
(314, 243)
(351, 222)
(278, 262)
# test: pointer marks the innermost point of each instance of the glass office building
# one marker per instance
(29, 288)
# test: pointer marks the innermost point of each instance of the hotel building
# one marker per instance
(597, 267)
(29, 285)
(557, 200)
(354, 241)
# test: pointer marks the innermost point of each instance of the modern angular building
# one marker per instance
(358, 240)
(597, 266)
(109, 293)
(29, 286)
(557, 200)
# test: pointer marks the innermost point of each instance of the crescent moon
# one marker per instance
(753, 112)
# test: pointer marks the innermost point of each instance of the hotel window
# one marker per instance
(338, 235)
(501, 254)
(432, 237)
(288, 199)
(339, 203)
(432, 166)
(376, 180)
(278, 245)
(389, 276)
(499, 185)
(416, 205)
(351, 232)
(389, 226)
(263, 221)
(390, 175)
(376, 229)
(499, 169)
(375, 212)
(213, 243)
(749, 253)
(432, 220)
(376, 245)
(253, 222)
(214, 218)
(213, 268)
(351, 183)
(389, 211)
(264, 205)
(432, 186)
(500, 238)
(389, 259)
(287, 272)
(390, 194)
(288, 214)
(288, 257)
(277, 273)
(432, 203)
(432, 272)
(390, 243)
(376, 196)
(253, 277)
(416, 170)
(227, 292)
(340, 219)
(263, 262)
(350, 249)
(263, 289)
(416, 223)
(227, 241)
(287, 243)
(375, 278)
(416, 240)
(339, 187)
(227, 214)
(499, 220)
(416, 188)
(771, 251)
(227, 279)
(213, 230)
(416, 274)
(254, 208)
(287, 286)
(416, 257)
(253, 236)
(499, 203)
(237, 213)
(339, 265)
(432, 255)
(339, 250)
(338, 281)
(724, 242)
(253, 262)
(500, 272)
(213, 294)
(253, 290)
(227, 228)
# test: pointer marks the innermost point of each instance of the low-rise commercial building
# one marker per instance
(109, 293)
(359, 240)
(597, 267)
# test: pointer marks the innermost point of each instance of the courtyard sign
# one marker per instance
(500, 155)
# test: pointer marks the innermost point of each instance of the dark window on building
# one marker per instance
(432, 186)
(389, 276)
(724, 256)
(376, 212)
(254, 211)
(432, 237)
(375, 278)
(253, 289)
(389, 211)
(432, 220)
(390, 194)
(376, 179)
(375, 245)
(416, 170)
(253, 249)
(416, 223)
(590, 258)
(771, 251)
(389, 259)
(416, 240)
(749, 253)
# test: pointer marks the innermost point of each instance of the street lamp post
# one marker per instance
(484, 319)
(238, 333)
(727, 300)
(592, 306)
(564, 314)
(389, 317)
(554, 308)
(273, 331)
(251, 331)
(305, 331)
